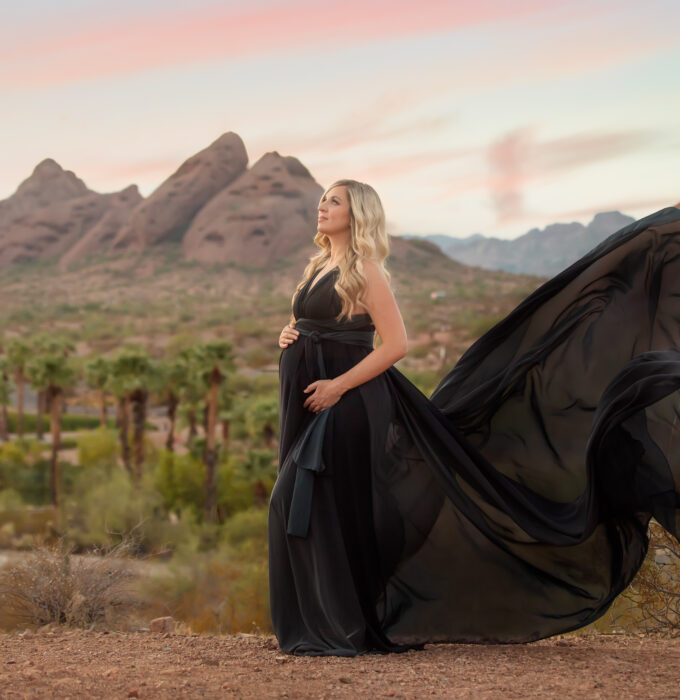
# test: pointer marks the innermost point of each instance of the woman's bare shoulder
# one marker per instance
(372, 268)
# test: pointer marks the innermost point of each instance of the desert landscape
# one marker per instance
(128, 494)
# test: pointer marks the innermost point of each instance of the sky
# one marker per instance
(492, 116)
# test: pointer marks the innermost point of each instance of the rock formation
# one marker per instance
(52, 210)
(167, 213)
(268, 214)
(99, 237)
(47, 184)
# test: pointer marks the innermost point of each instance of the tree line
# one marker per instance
(198, 378)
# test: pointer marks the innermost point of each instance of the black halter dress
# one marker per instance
(510, 505)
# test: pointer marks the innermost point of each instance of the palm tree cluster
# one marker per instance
(194, 377)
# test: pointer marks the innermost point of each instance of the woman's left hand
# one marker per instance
(326, 393)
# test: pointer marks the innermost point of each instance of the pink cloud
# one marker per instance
(519, 158)
(385, 168)
(372, 121)
(137, 43)
(509, 159)
(388, 168)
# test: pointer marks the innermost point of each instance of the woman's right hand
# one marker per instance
(288, 335)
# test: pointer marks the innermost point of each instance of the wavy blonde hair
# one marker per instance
(368, 240)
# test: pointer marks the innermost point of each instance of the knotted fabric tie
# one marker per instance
(308, 454)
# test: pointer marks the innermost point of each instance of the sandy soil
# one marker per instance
(62, 663)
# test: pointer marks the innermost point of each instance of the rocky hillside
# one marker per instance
(216, 208)
(543, 252)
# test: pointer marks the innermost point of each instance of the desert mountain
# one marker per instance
(47, 184)
(214, 207)
(52, 212)
(542, 252)
(269, 213)
(170, 209)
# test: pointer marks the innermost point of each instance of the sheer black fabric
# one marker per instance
(510, 505)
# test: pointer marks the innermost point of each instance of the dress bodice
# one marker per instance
(319, 300)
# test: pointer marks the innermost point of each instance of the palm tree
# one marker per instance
(258, 465)
(41, 344)
(263, 418)
(134, 375)
(5, 394)
(117, 386)
(193, 388)
(178, 375)
(97, 374)
(169, 395)
(18, 353)
(216, 360)
(226, 410)
(52, 371)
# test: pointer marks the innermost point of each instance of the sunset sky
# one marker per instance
(492, 116)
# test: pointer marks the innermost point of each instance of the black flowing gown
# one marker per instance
(510, 505)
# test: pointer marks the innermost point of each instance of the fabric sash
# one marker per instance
(308, 453)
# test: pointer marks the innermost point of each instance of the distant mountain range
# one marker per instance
(542, 252)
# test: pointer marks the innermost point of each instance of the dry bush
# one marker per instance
(656, 589)
(222, 591)
(51, 585)
(651, 604)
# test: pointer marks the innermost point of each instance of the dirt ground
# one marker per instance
(62, 663)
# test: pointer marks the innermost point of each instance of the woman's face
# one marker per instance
(334, 216)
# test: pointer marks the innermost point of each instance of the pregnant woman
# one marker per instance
(510, 505)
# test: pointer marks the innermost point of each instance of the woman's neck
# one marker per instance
(336, 256)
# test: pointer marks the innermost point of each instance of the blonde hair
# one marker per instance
(368, 240)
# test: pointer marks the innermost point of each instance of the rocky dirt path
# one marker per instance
(61, 663)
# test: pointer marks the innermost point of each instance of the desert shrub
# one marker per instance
(246, 533)
(180, 480)
(425, 380)
(260, 356)
(420, 352)
(51, 585)
(221, 591)
(69, 422)
(234, 486)
(97, 448)
(11, 503)
(481, 325)
(20, 452)
(247, 327)
(26, 471)
(420, 323)
(10, 499)
(105, 506)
